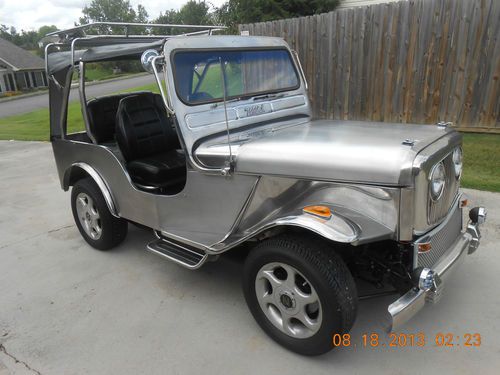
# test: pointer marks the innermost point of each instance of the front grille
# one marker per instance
(442, 239)
(436, 211)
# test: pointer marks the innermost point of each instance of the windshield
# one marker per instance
(198, 77)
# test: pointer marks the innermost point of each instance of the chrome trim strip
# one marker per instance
(202, 261)
(238, 219)
(166, 235)
(102, 186)
(301, 70)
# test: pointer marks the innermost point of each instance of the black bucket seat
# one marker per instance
(149, 143)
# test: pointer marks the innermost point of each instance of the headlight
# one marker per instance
(457, 161)
(438, 175)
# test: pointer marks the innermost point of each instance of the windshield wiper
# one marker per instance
(253, 97)
(269, 96)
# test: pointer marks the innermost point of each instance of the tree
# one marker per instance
(44, 30)
(108, 11)
(26, 39)
(7, 33)
(142, 14)
(235, 12)
(195, 13)
(169, 17)
(191, 13)
(113, 11)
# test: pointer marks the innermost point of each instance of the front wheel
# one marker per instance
(95, 222)
(300, 292)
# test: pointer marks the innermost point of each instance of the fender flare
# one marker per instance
(337, 229)
(344, 226)
(90, 171)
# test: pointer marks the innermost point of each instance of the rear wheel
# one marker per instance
(95, 222)
(300, 292)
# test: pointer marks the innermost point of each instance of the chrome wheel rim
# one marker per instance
(288, 300)
(89, 216)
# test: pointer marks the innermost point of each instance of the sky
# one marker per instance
(31, 14)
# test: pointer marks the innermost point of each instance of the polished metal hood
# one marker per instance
(350, 151)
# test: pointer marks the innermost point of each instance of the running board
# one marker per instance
(188, 257)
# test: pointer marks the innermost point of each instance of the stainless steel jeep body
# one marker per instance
(384, 196)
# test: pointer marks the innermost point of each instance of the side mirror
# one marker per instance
(147, 59)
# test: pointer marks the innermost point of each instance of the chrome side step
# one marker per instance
(184, 255)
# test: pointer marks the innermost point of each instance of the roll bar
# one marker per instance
(68, 35)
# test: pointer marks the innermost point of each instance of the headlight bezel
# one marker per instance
(458, 163)
(437, 181)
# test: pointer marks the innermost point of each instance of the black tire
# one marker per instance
(113, 229)
(327, 274)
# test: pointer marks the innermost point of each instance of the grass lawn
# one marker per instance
(481, 161)
(97, 72)
(34, 126)
(481, 151)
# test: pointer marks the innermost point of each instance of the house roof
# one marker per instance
(18, 58)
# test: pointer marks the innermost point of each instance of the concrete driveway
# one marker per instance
(68, 309)
(32, 103)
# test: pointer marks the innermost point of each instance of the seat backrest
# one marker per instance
(102, 116)
(143, 128)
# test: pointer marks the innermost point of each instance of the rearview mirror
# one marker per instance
(147, 59)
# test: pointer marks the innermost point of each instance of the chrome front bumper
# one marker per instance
(410, 303)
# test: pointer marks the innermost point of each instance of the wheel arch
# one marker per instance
(341, 229)
(77, 171)
(279, 230)
(359, 214)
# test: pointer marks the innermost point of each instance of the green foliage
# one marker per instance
(108, 10)
(104, 70)
(34, 126)
(26, 39)
(481, 161)
(113, 11)
(191, 13)
(195, 13)
(235, 12)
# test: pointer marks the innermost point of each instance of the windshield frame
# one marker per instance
(234, 97)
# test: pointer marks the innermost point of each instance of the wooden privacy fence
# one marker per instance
(419, 61)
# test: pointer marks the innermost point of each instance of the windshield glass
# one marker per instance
(198, 76)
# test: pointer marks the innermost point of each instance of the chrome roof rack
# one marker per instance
(68, 35)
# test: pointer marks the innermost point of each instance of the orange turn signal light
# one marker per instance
(464, 203)
(321, 211)
(424, 247)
